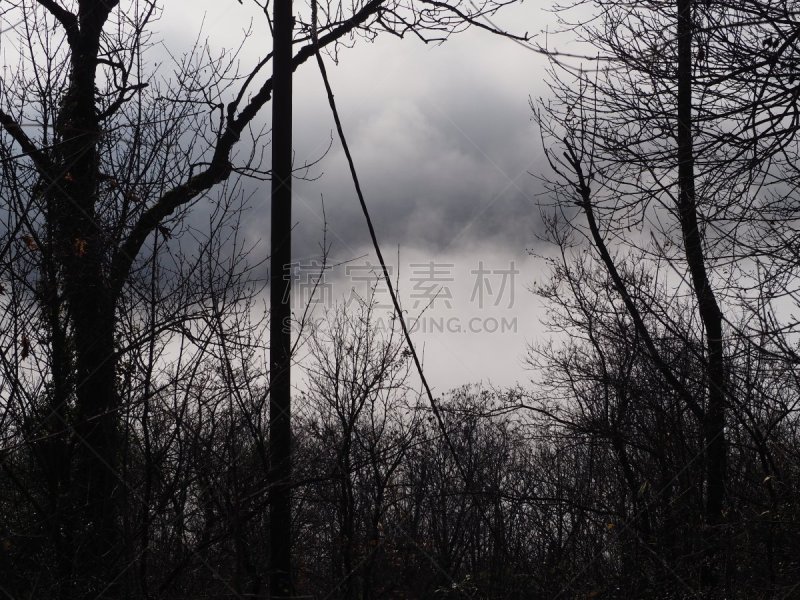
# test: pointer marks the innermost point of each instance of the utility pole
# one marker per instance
(280, 443)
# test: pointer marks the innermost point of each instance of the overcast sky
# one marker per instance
(444, 145)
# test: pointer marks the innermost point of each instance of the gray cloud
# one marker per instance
(443, 143)
(441, 135)
(444, 161)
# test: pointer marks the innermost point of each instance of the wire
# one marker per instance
(398, 311)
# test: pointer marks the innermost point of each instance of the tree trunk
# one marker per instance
(714, 419)
(80, 251)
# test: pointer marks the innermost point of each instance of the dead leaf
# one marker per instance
(30, 242)
(81, 247)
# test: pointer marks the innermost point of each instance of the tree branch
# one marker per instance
(14, 129)
(68, 20)
(220, 167)
(586, 204)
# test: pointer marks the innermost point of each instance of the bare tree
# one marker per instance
(104, 157)
(673, 139)
(361, 414)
